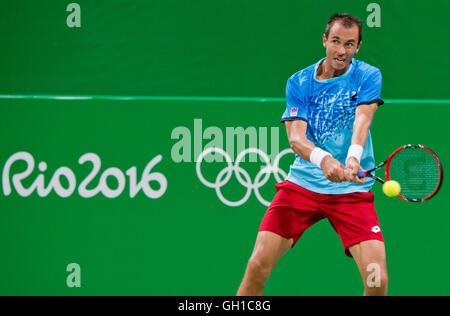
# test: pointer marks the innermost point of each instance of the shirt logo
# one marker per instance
(354, 97)
(294, 112)
(376, 229)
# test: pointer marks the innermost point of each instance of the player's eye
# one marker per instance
(349, 44)
(335, 41)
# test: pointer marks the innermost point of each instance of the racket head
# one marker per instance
(418, 170)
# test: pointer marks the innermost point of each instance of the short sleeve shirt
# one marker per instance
(328, 106)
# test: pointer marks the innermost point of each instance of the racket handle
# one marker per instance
(361, 174)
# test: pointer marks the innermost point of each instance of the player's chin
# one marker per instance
(338, 65)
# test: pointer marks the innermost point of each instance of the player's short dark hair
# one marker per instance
(347, 21)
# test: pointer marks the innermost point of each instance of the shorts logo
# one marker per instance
(376, 229)
(294, 112)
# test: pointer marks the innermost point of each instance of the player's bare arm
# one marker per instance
(332, 169)
(361, 127)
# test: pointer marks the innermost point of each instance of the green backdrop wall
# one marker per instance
(210, 48)
(125, 89)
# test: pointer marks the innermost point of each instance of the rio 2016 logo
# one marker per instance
(102, 187)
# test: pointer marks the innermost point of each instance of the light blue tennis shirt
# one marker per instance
(328, 106)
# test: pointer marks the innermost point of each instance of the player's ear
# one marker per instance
(357, 49)
(324, 39)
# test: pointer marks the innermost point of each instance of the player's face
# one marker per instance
(341, 45)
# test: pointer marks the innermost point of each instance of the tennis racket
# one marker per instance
(416, 168)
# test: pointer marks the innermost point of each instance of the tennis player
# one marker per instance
(330, 107)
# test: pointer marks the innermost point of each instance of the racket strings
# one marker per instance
(417, 171)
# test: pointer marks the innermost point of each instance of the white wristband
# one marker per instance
(356, 151)
(317, 156)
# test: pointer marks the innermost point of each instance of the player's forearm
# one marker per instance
(299, 142)
(363, 120)
(360, 132)
(302, 147)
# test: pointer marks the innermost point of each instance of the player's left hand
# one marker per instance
(351, 171)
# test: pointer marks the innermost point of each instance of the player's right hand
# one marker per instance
(351, 171)
(332, 169)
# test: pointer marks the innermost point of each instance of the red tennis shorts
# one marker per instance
(294, 209)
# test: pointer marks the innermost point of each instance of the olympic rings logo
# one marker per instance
(242, 175)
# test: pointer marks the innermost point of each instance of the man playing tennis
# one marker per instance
(329, 111)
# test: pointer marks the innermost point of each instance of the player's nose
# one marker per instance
(341, 51)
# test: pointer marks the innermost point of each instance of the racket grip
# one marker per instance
(361, 174)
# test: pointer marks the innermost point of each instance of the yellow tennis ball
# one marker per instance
(391, 188)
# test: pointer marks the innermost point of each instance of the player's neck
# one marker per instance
(324, 71)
